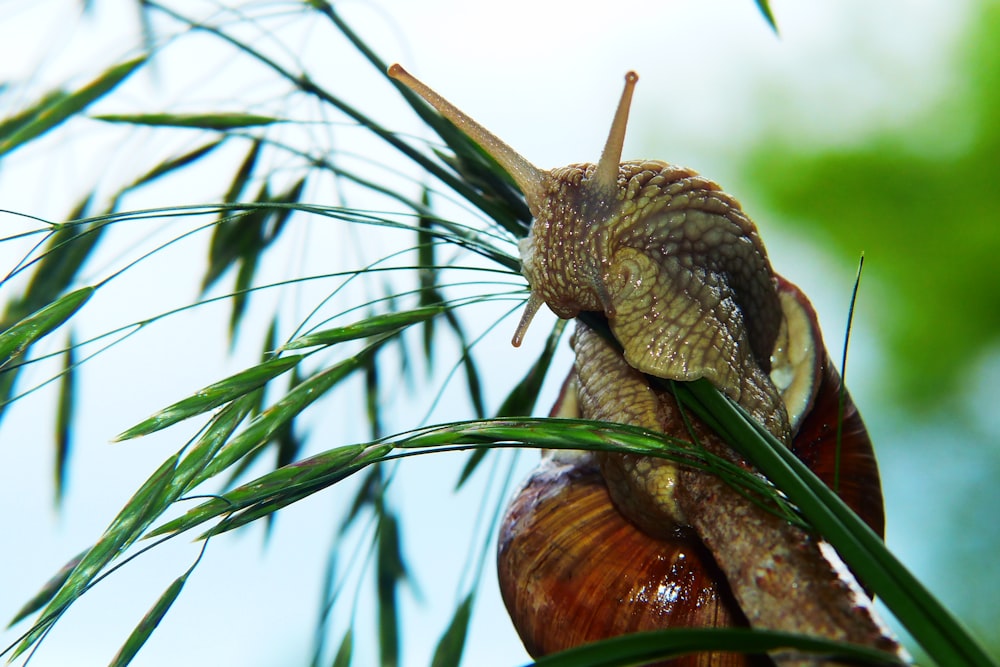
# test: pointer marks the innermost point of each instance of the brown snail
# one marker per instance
(597, 545)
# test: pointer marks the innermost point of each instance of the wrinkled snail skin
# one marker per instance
(682, 277)
(673, 262)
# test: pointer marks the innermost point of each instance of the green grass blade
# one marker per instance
(242, 176)
(933, 626)
(390, 572)
(149, 622)
(17, 122)
(260, 431)
(449, 649)
(170, 165)
(645, 647)
(219, 121)
(65, 412)
(346, 651)
(60, 108)
(219, 430)
(49, 590)
(147, 503)
(388, 323)
(277, 488)
(213, 396)
(765, 8)
(21, 335)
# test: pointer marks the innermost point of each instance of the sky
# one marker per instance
(709, 75)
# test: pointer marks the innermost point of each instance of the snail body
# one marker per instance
(597, 545)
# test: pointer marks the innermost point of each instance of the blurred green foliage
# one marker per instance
(921, 201)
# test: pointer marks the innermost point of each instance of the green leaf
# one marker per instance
(169, 165)
(49, 590)
(765, 8)
(65, 411)
(147, 503)
(390, 570)
(644, 647)
(17, 338)
(277, 489)
(346, 651)
(222, 426)
(214, 395)
(449, 649)
(65, 251)
(219, 121)
(17, 122)
(375, 325)
(149, 622)
(243, 174)
(57, 108)
(266, 424)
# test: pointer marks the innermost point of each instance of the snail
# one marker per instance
(601, 544)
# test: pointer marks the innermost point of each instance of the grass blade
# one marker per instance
(388, 323)
(219, 121)
(346, 651)
(214, 395)
(21, 335)
(390, 571)
(65, 410)
(449, 649)
(221, 428)
(147, 503)
(266, 424)
(765, 8)
(59, 108)
(149, 622)
(645, 647)
(48, 591)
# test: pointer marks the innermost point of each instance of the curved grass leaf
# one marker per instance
(49, 590)
(149, 622)
(645, 647)
(167, 166)
(346, 651)
(260, 431)
(449, 649)
(291, 483)
(219, 430)
(65, 411)
(765, 8)
(219, 121)
(214, 395)
(390, 571)
(57, 108)
(388, 323)
(147, 503)
(21, 335)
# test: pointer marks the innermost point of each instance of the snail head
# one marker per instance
(673, 263)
